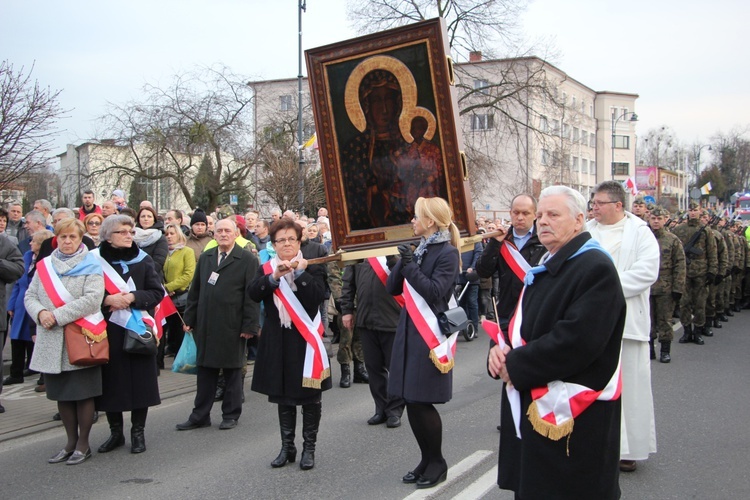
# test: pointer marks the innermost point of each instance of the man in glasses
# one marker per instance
(635, 252)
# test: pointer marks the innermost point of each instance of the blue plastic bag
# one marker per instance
(186, 359)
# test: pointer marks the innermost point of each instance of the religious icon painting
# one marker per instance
(385, 114)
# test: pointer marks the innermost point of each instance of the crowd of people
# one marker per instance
(246, 287)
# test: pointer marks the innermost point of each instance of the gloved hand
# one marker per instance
(391, 261)
(406, 253)
(719, 278)
(710, 277)
(676, 296)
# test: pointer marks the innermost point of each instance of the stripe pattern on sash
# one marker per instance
(380, 267)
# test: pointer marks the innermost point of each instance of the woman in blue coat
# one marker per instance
(431, 270)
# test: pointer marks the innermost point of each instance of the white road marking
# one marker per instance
(479, 488)
(454, 474)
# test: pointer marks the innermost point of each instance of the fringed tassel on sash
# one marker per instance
(93, 336)
(313, 383)
(548, 429)
(443, 367)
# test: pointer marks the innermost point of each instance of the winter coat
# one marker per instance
(376, 309)
(281, 351)
(198, 243)
(638, 267)
(154, 243)
(179, 269)
(219, 313)
(413, 376)
(50, 354)
(129, 380)
(11, 268)
(22, 327)
(567, 338)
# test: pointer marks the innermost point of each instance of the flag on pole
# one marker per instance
(706, 188)
(630, 185)
(312, 142)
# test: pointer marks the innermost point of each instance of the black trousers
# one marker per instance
(231, 406)
(377, 347)
(20, 352)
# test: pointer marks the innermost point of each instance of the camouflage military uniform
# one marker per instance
(722, 300)
(669, 286)
(713, 302)
(350, 345)
(701, 264)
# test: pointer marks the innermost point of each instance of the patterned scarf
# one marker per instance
(439, 236)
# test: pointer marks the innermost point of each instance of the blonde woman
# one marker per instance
(416, 374)
(178, 273)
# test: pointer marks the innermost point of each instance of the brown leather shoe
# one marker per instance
(628, 465)
(40, 388)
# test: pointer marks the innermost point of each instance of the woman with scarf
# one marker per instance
(421, 373)
(149, 237)
(129, 380)
(93, 222)
(178, 273)
(287, 371)
(73, 387)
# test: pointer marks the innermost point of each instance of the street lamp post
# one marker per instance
(633, 118)
(301, 194)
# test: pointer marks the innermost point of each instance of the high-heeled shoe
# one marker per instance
(426, 482)
(61, 456)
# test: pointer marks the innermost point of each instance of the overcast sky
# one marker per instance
(684, 58)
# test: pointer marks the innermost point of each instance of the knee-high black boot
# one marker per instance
(287, 424)
(137, 431)
(116, 437)
(310, 424)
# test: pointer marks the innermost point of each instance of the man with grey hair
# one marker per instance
(34, 221)
(108, 208)
(275, 215)
(551, 353)
(636, 254)
(15, 221)
(45, 207)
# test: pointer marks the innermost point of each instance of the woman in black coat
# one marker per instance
(129, 380)
(431, 270)
(279, 367)
(150, 238)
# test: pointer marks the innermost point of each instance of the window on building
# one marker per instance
(592, 166)
(556, 127)
(576, 134)
(543, 124)
(584, 166)
(620, 168)
(574, 165)
(565, 98)
(591, 110)
(592, 140)
(566, 131)
(545, 157)
(483, 86)
(482, 122)
(286, 102)
(573, 103)
(584, 138)
(621, 142)
(583, 106)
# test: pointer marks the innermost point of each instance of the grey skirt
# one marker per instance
(75, 385)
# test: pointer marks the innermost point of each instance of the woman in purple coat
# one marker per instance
(420, 372)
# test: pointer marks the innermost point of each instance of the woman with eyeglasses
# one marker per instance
(292, 365)
(129, 380)
(92, 223)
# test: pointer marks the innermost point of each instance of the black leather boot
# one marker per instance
(652, 353)
(287, 424)
(138, 429)
(360, 373)
(728, 312)
(707, 330)
(687, 335)
(697, 335)
(717, 322)
(116, 437)
(737, 307)
(664, 356)
(346, 376)
(723, 317)
(310, 424)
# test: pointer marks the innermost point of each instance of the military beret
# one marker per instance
(639, 201)
(693, 205)
(658, 211)
(650, 206)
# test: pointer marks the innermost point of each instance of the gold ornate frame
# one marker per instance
(417, 57)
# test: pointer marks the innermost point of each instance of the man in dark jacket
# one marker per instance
(367, 306)
(222, 316)
(569, 446)
(470, 298)
(11, 268)
(524, 238)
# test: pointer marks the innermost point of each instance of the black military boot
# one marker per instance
(729, 312)
(360, 373)
(707, 330)
(310, 425)
(736, 308)
(717, 322)
(346, 376)
(652, 353)
(664, 356)
(687, 334)
(698, 331)
(722, 317)
(287, 424)
(116, 438)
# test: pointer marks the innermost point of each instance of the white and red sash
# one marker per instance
(129, 318)
(556, 405)
(514, 259)
(317, 367)
(380, 267)
(442, 348)
(59, 295)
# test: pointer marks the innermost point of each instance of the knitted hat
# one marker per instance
(198, 216)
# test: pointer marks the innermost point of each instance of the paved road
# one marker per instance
(701, 399)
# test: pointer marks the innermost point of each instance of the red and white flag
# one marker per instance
(164, 309)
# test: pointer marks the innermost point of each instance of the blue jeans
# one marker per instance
(470, 303)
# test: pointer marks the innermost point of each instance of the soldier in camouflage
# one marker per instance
(639, 208)
(722, 302)
(713, 301)
(670, 285)
(702, 265)
(350, 345)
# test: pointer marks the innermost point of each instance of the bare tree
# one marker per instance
(167, 134)
(28, 113)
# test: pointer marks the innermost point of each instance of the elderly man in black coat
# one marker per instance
(563, 368)
(222, 316)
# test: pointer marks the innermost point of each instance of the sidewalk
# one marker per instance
(28, 412)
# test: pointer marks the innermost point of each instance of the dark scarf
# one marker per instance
(112, 254)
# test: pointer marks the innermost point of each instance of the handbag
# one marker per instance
(83, 349)
(134, 343)
(453, 320)
(180, 300)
